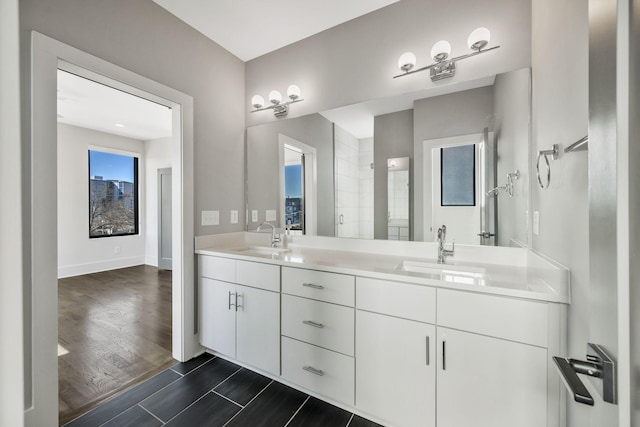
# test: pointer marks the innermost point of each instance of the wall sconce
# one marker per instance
(443, 67)
(280, 109)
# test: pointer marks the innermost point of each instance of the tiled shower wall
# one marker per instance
(354, 185)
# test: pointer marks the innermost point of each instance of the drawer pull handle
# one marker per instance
(444, 355)
(237, 304)
(313, 370)
(311, 285)
(312, 323)
(230, 305)
(427, 350)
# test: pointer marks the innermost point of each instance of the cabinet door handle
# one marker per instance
(444, 355)
(427, 345)
(231, 293)
(312, 323)
(311, 285)
(313, 370)
(238, 305)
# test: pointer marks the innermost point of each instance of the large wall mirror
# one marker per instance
(464, 150)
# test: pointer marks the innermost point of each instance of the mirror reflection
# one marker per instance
(328, 173)
(398, 198)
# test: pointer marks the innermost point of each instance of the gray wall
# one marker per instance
(144, 38)
(560, 115)
(512, 114)
(356, 61)
(262, 166)
(392, 137)
(460, 113)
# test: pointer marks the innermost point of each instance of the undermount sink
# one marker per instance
(434, 268)
(261, 250)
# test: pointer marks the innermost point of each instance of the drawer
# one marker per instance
(501, 317)
(217, 268)
(322, 371)
(326, 325)
(258, 275)
(319, 285)
(414, 302)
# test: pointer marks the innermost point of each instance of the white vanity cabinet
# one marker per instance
(429, 356)
(492, 368)
(395, 352)
(240, 310)
(318, 332)
(490, 382)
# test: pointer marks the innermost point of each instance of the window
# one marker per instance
(458, 175)
(294, 195)
(113, 194)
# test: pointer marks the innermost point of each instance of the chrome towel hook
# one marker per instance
(544, 154)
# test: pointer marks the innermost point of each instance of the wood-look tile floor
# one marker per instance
(208, 391)
(116, 327)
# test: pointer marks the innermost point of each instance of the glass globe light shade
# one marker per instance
(257, 101)
(293, 92)
(275, 97)
(479, 38)
(407, 61)
(440, 51)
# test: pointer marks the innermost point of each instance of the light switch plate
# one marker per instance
(536, 223)
(270, 215)
(254, 216)
(210, 217)
(234, 217)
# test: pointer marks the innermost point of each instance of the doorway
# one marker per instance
(49, 55)
(114, 303)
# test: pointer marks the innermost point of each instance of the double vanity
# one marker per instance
(400, 339)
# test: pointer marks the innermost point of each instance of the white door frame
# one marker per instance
(42, 331)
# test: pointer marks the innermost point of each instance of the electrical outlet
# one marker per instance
(270, 215)
(234, 217)
(254, 216)
(116, 250)
(210, 217)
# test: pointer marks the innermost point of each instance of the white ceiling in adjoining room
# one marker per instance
(88, 104)
(358, 119)
(249, 28)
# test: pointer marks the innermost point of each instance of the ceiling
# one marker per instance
(358, 119)
(85, 103)
(250, 28)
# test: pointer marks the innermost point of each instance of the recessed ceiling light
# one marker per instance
(120, 125)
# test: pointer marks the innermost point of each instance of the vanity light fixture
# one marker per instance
(445, 67)
(280, 109)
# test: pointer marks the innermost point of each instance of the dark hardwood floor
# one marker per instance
(116, 327)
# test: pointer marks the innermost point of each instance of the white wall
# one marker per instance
(11, 297)
(77, 253)
(560, 116)
(157, 155)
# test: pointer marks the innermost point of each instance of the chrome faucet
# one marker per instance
(442, 252)
(275, 237)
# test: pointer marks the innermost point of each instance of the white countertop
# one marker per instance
(536, 278)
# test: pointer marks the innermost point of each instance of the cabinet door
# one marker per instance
(258, 328)
(218, 317)
(490, 382)
(395, 369)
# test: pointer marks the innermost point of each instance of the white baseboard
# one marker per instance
(95, 267)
